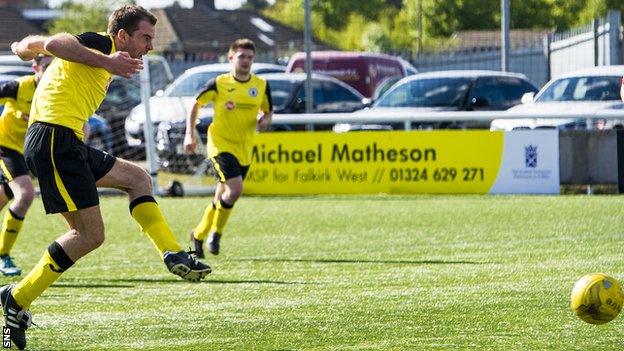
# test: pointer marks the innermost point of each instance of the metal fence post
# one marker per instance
(148, 127)
(613, 18)
(595, 34)
(547, 41)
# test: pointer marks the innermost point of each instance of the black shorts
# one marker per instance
(225, 166)
(67, 169)
(12, 164)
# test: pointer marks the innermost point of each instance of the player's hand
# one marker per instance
(263, 123)
(190, 144)
(121, 64)
(21, 52)
(24, 116)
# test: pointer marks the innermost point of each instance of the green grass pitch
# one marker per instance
(340, 273)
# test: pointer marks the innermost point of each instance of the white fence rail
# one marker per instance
(407, 117)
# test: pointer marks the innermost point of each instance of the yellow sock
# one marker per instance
(222, 213)
(53, 263)
(146, 212)
(203, 228)
(11, 226)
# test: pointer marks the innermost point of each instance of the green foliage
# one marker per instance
(598, 8)
(82, 17)
(392, 25)
(338, 273)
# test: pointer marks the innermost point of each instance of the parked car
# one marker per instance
(99, 134)
(159, 71)
(175, 101)
(467, 90)
(584, 91)
(288, 93)
(364, 71)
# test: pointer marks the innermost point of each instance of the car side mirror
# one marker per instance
(366, 102)
(479, 102)
(528, 98)
(160, 93)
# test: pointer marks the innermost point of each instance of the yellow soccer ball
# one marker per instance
(597, 298)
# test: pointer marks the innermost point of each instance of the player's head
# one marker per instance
(132, 27)
(39, 65)
(241, 54)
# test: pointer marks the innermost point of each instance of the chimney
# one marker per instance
(207, 4)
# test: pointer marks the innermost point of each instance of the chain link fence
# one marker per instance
(539, 55)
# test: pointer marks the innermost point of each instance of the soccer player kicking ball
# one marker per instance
(16, 96)
(237, 98)
(69, 172)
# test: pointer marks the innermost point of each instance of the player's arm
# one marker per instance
(29, 47)
(76, 49)
(190, 141)
(267, 111)
(205, 96)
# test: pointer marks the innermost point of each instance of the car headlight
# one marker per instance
(133, 126)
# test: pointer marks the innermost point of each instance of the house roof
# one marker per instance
(201, 29)
(14, 27)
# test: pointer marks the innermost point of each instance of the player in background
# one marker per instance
(16, 96)
(237, 97)
(69, 172)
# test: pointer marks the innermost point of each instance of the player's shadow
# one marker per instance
(208, 280)
(87, 285)
(355, 261)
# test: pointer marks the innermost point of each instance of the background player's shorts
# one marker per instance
(225, 166)
(67, 169)
(12, 164)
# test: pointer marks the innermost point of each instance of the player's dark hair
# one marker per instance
(243, 43)
(39, 57)
(127, 18)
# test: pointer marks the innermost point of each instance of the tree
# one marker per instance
(80, 17)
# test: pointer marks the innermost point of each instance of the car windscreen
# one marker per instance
(428, 92)
(190, 85)
(594, 88)
(281, 92)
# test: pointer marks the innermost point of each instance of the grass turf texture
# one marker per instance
(340, 273)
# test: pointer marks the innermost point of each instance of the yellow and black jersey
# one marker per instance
(236, 107)
(70, 92)
(16, 96)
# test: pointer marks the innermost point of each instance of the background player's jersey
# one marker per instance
(16, 96)
(236, 107)
(70, 92)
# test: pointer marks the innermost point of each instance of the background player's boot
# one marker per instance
(15, 318)
(213, 243)
(183, 264)
(198, 245)
(7, 267)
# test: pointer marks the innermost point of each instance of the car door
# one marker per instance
(335, 98)
(486, 95)
(512, 90)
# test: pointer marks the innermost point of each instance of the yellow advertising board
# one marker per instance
(432, 162)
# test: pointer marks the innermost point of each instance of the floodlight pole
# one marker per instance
(308, 61)
(505, 35)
